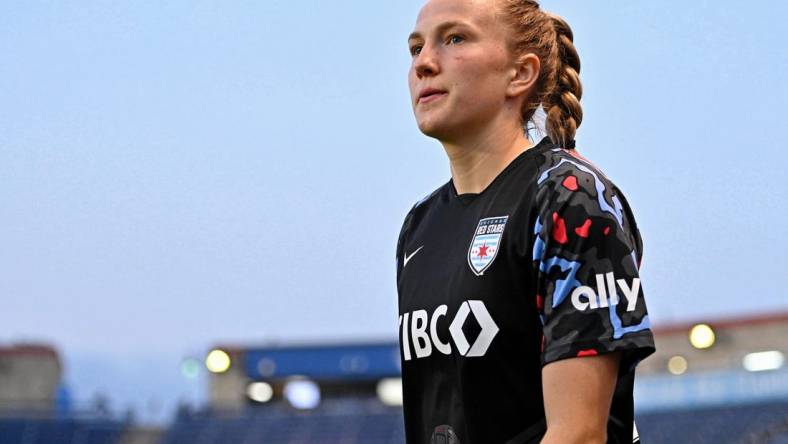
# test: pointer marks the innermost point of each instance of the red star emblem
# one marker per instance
(483, 250)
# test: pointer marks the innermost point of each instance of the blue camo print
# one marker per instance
(585, 230)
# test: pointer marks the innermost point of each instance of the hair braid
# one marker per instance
(564, 113)
(558, 89)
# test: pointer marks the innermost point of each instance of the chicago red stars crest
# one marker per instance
(484, 245)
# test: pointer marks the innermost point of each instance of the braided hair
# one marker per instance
(558, 89)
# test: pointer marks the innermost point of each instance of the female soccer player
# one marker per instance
(521, 311)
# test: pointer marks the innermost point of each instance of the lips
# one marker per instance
(430, 94)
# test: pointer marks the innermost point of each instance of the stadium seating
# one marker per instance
(20, 430)
(762, 423)
(353, 421)
(336, 421)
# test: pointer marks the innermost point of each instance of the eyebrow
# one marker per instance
(440, 29)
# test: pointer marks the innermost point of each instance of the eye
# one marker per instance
(455, 39)
(415, 50)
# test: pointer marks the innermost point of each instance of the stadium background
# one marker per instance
(722, 381)
(192, 176)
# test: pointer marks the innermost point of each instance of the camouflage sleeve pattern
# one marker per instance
(586, 252)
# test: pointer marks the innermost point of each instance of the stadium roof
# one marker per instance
(725, 322)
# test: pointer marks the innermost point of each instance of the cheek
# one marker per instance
(412, 82)
(477, 79)
(487, 75)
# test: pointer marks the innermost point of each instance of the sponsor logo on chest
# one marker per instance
(415, 332)
(485, 243)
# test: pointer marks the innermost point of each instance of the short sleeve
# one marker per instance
(587, 252)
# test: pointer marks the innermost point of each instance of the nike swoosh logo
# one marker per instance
(408, 258)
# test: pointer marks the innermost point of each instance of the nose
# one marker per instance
(426, 62)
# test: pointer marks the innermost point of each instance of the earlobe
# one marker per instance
(526, 71)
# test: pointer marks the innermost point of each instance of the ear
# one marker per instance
(524, 75)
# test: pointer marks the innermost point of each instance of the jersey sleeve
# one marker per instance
(587, 252)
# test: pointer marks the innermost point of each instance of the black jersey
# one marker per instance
(542, 265)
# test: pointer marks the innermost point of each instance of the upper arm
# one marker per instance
(577, 397)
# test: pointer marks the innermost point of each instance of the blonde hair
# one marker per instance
(558, 89)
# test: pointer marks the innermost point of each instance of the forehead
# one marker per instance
(479, 13)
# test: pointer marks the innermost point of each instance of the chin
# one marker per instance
(437, 129)
(436, 133)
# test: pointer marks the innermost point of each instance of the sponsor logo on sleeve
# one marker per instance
(606, 294)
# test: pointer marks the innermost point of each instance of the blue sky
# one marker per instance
(180, 174)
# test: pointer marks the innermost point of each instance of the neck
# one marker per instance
(477, 159)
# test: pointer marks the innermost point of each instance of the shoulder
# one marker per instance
(577, 202)
(411, 216)
(425, 202)
(431, 197)
(565, 179)
(419, 207)
(571, 170)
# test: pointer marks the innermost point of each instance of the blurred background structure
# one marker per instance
(722, 380)
(176, 175)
